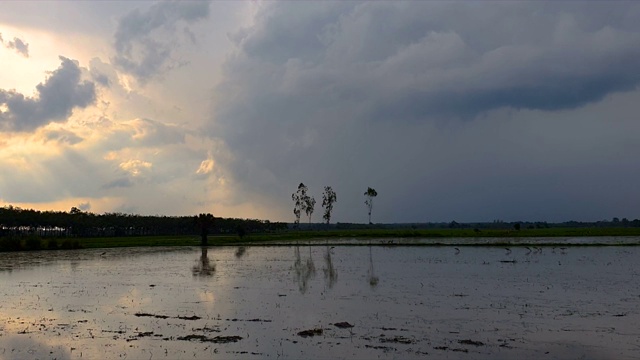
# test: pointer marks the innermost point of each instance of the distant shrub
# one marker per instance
(10, 243)
(241, 231)
(33, 243)
(69, 244)
(52, 244)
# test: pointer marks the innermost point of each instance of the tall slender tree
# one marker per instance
(370, 194)
(309, 204)
(300, 202)
(328, 199)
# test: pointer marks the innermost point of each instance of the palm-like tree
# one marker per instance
(370, 194)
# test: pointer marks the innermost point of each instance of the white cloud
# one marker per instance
(136, 167)
(62, 92)
(206, 167)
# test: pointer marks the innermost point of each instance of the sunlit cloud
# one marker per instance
(57, 97)
(206, 167)
(96, 204)
(136, 167)
(44, 48)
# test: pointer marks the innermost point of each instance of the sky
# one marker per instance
(451, 110)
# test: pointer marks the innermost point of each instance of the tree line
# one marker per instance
(77, 223)
(303, 202)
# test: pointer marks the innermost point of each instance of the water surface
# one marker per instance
(403, 302)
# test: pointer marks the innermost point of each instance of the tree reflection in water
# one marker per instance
(303, 271)
(203, 266)
(240, 251)
(330, 273)
(373, 279)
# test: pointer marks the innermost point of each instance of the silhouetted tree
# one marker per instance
(23, 223)
(370, 194)
(204, 222)
(309, 206)
(328, 199)
(299, 198)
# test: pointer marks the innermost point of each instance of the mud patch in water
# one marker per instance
(215, 340)
(310, 333)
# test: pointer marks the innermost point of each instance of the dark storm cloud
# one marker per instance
(86, 206)
(145, 40)
(371, 94)
(16, 44)
(101, 79)
(423, 59)
(118, 183)
(56, 98)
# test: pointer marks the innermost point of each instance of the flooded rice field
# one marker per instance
(341, 302)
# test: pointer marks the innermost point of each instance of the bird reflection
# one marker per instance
(203, 266)
(303, 271)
